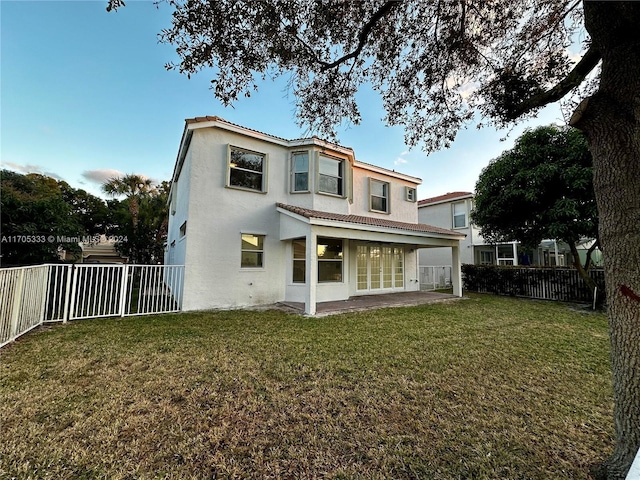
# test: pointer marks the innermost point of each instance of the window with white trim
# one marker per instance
(378, 196)
(329, 260)
(247, 169)
(252, 251)
(331, 175)
(459, 211)
(300, 172)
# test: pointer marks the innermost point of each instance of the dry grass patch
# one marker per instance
(485, 388)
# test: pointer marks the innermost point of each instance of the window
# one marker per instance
(247, 169)
(252, 251)
(379, 196)
(459, 215)
(331, 176)
(300, 172)
(183, 229)
(329, 260)
(299, 260)
(486, 258)
(410, 194)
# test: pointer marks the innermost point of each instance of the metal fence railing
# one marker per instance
(435, 277)
(31, 296)
(544, 283)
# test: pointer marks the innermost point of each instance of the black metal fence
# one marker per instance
(562, 284)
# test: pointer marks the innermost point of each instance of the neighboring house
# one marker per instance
(257, 219)
(102, 251)
(453, 210)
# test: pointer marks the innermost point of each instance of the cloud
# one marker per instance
(400, 161)
(100, 176)
(30, 168)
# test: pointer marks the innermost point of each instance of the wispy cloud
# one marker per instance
(100, 176)
(400, 161)
(29, 168)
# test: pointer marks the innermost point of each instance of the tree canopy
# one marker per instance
(34, 213)
(541, 188)
(438, 64)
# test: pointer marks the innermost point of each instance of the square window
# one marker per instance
(331, 176)
(379, 196)
(252, 251)
(410, 194)
(300, 172)
(246, 169)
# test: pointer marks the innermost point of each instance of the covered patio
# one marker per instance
(370, 302)
(374, 259)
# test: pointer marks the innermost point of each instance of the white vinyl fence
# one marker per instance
(31, 296)
(435, 277)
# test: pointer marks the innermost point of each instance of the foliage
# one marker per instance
(141, 218)
(487, 387)
(541, 188)
(434, 63)
(36, 211)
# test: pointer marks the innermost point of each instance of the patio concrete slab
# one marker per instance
(370, 302)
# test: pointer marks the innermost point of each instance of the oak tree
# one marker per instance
(437, 64)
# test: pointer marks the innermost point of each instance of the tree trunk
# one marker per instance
(611, 121)
(582, 270)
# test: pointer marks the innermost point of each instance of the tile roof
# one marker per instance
(372, 221)
(215, 118)
(443, 198)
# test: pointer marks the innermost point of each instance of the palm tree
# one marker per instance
(133, 186)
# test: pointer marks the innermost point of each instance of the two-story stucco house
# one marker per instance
(257, 219)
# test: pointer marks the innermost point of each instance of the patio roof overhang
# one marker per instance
(296, 222)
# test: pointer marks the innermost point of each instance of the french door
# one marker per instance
(379, 267)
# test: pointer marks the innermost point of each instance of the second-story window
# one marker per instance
(379, 196)
(247, 169)
(300, 172)
(459, 215)
(331, 176)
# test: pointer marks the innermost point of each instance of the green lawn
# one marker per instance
(487, 387)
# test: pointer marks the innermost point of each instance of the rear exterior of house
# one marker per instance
(257, 219)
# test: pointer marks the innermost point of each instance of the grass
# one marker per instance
(487, 387)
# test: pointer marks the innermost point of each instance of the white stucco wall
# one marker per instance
(399, 208)
(441, 215)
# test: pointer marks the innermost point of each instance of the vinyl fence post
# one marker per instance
(67, 293)
(72, 300)
(123, 289)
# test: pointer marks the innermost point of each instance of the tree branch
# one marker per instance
(588, 62)
(362, 38)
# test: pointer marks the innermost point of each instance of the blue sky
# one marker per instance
(85, 95)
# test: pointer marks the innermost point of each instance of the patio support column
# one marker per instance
(456, 271)
(311, 278)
